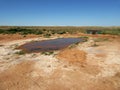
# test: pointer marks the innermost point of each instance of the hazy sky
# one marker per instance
(60, 12)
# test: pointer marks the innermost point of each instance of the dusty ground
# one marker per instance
(12, 37)
(84, 67)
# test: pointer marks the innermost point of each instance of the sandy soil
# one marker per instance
(84, 67)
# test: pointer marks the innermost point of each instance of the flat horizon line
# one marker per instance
(53, 26)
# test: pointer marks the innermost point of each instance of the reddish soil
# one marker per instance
(12, 37)
(72, 55)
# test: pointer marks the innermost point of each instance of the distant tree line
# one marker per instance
(48, 31)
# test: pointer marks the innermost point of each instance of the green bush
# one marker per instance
(1, 31)
(38, 32)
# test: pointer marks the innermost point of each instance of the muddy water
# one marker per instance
(49, 45)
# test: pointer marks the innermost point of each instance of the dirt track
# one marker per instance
(81, 68)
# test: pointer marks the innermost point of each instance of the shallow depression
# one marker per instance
(49, 45)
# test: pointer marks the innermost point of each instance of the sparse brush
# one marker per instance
(20, 53)
(84, 38)
(73, 45)
(95, 45)
(47, 35)
(101, 39)
(47, 53)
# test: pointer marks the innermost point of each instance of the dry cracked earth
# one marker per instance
(83, 67)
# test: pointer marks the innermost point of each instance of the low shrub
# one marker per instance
(48, 53)
(47, 35)
(20, 53)
(101, 39)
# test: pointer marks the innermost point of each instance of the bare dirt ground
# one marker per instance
(12, 37)
(84, 67)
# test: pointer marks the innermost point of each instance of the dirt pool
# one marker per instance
(49, 45)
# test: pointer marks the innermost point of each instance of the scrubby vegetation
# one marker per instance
(47, 53)
(48, 31)
(84, 38)
(20, 53)
(101, 39)
(112, 31)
